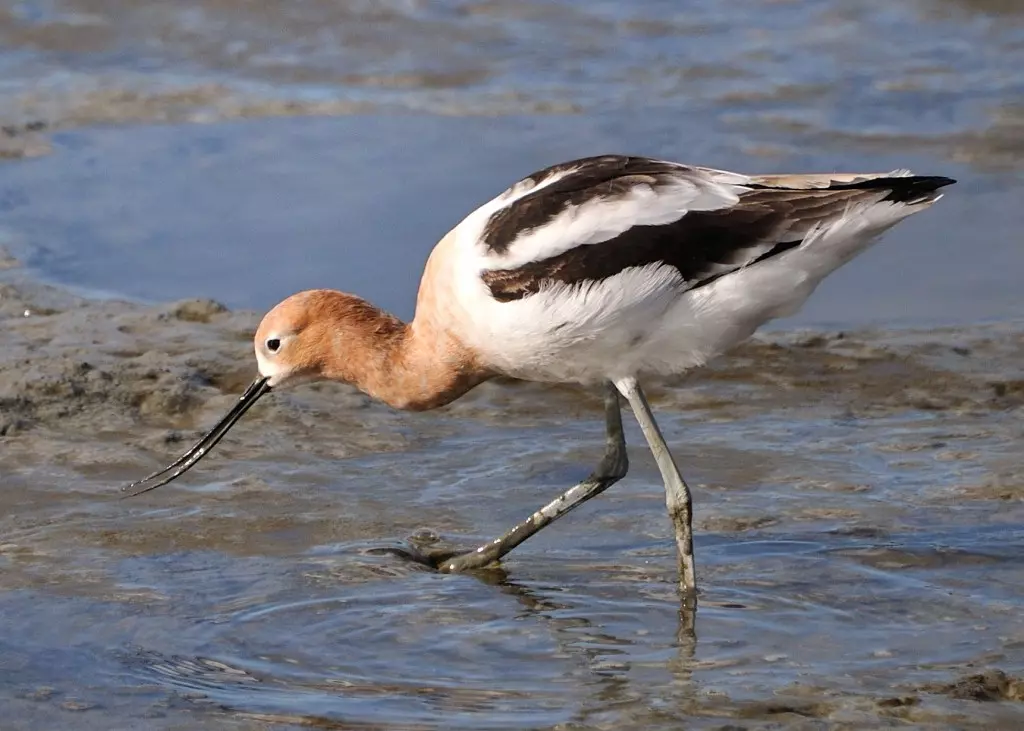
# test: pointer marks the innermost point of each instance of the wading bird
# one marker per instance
(602, 270)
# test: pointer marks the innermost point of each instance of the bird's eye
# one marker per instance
(273, 344)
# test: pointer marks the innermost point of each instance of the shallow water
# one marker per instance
(252, 211)
(249, 212)
(859, 497)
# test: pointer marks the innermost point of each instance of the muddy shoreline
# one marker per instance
(73, 363)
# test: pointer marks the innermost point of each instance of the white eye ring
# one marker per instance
(273, 344)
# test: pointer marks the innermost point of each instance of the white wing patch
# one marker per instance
(601, 218)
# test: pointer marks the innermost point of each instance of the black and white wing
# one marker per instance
(585, 221)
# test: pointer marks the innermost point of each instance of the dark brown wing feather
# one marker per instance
(605, 176)
(701, 245)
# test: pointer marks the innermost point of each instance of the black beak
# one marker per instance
(201, 448)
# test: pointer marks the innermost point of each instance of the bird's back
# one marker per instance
(613, 265)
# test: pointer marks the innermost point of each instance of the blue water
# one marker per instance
(251, 211)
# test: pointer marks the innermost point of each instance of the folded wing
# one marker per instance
(581, 222)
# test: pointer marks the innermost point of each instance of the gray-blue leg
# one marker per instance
(677, 493)
(612, 469)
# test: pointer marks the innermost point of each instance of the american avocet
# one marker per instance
(596, 271)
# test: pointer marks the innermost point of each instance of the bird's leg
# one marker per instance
(677, 493)
(612, 469)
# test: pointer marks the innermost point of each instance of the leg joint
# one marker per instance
(615, 463)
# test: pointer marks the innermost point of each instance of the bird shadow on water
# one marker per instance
(222, 685)
(427, 549)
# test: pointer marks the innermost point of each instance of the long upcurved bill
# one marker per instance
(201, 448)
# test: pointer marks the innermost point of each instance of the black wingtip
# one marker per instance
(902, 189)
(914, 189)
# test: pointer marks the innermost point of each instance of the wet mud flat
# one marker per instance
(859, 507)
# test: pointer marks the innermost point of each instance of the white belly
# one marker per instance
(638, 322)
